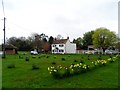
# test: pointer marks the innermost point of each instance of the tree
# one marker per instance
(51, 39)
(79, 42)
(87, 39)
(103, 38)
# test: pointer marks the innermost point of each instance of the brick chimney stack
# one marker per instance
(67, 37)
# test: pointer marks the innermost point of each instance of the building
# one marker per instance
(10, 49)
(63, 46)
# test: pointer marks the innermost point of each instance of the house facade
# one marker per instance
(11, 49)
(63, 46)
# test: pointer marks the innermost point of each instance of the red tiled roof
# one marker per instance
(61, 41)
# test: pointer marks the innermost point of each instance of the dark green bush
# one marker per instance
(33, 56)
(34, 67)
(11, 66)
(75, 61)
(47, 56)
(81, 61)
(53, 63)
(27, 59)
(63, 59)
(20, 57)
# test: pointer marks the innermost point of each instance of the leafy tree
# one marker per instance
(51, 39)
(103, 38)
(87, 39)
(79, 42)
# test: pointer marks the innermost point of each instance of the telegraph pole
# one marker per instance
(4, 40)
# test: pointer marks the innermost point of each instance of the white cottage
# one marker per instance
(63, 46)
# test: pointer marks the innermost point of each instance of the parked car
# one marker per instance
(111, 50)
(34, 52)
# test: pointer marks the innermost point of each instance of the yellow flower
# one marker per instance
(48, 68)
(55, 70)
(50, 72)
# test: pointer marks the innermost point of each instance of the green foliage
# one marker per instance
(104, 38)
(63, 59)
(87, 39)
(27, 59)
(53, 63)
(11, 66)
(35, 66)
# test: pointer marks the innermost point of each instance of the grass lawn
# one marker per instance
(22, 76)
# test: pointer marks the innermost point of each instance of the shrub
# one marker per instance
(34, 67)
(39, 57)
(75, 61)
(55, 57)
(20, 57)
(63, 59)
(11, 66)
(88, 58)
(27, 59)
(33, 56)
(47, 56)
(53, 63)
(81, 61)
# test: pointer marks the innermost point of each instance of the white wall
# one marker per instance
(57, 45)
(70, 47)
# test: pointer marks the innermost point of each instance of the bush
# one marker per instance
(47, 56)
(88, 58)
(33, 56)
(27, 59)
(63, 59)
(34, 66)
(55, 57)
(20, 57)
(11, 66)
(39, 57)
(53, 63)
(75, 61)
(81, 61)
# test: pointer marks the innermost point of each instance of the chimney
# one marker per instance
(67, 37)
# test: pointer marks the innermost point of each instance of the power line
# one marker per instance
(3, 8)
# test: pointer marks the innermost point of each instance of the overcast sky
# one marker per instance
(66, 17)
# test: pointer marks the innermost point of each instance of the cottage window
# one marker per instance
(61, 50)
(61, 45)
(54, 45)
(53, 50)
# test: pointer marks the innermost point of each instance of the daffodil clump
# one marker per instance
(99, 62)
(61, 72)
(113, 59)
(78, 68)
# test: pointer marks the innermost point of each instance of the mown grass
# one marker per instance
(23, 76)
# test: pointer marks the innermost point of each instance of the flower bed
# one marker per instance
(73, 69)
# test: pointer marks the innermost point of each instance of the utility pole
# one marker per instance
(4, 40)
